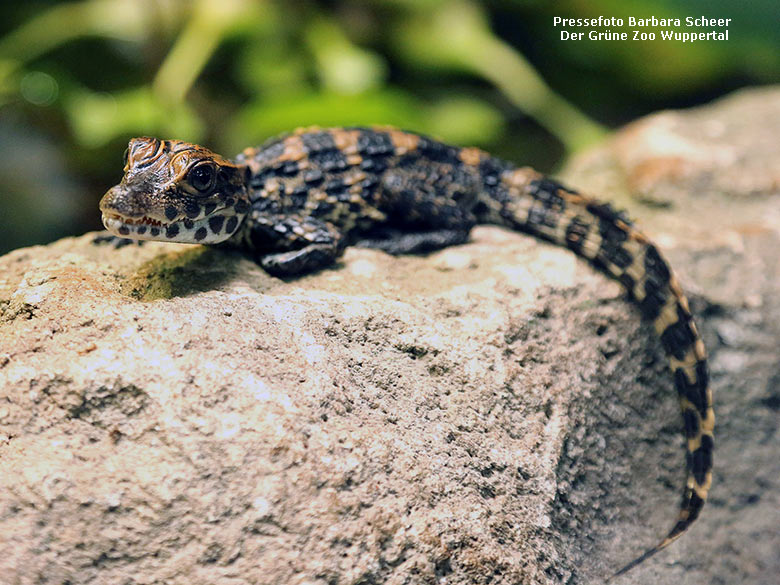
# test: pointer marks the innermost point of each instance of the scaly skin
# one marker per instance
(297, 201)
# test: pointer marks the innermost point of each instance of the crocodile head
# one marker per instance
(175, 191)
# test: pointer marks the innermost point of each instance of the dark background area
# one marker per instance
(78, 79)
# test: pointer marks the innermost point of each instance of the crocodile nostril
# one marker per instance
(108, 201)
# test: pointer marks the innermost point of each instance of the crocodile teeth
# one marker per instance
(145, 221)
(139, 221)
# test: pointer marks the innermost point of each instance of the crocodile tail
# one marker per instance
(527, 201)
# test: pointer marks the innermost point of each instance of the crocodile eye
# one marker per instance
(201, 177)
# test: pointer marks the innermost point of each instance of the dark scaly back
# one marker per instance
(340, 175)
(331, 174)
(526, 201)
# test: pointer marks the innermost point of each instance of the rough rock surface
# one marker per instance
(492, 413)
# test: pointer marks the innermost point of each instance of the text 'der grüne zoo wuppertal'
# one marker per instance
(612, 28)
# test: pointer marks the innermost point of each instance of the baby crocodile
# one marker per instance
(297, 201)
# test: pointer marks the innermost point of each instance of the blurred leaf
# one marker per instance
(458, 37)
(464, 121)
(121, 19)
(211, 21)
(127, 20)
(97, 118)
(460, 120)
(9, 79)
(261, 120)
(270, 66)
(342, 66)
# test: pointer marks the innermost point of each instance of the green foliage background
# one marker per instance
(78, 79)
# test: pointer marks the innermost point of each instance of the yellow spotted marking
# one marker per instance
(346, 141)
(354, 177)
(668, 315)
(306, 130)
(471, 156)
(293, 149)
(519, 178)
(708, 424)
(702, 490)
(575, 198)
(403, 141)
(591, 245)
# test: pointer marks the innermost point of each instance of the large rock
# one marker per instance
(492, 413)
